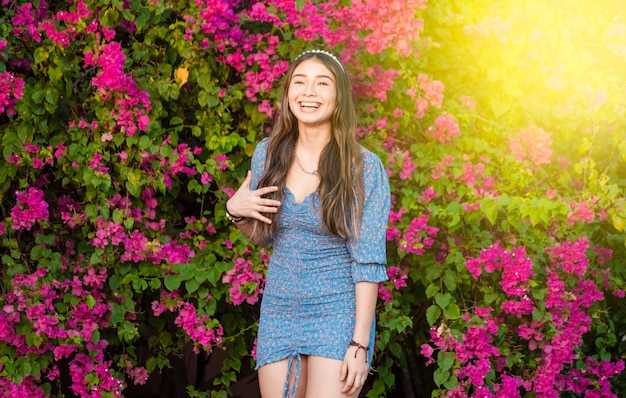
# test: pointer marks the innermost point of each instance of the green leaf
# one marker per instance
(188, 272)
(191, 285)
(490, 297)
(452, 311)
(114, 282)
(37, 96)
(440, 376)
(445, 359)
(117, 315)
(155, 284)
(51, 95)
(172, 282)
(432, 314)
(452, 383)
(144, 142)
(443, 300)
(449, 279)
(41, 54)
(489, 208)
(431, 290)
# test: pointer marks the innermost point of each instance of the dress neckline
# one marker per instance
(293, 197)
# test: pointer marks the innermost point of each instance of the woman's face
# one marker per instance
(312, 93)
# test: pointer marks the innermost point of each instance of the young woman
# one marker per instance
(323, 202)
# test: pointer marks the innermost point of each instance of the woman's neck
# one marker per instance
(313, 140)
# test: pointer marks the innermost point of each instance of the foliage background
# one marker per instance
(126, 124)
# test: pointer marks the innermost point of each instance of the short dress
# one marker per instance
(308, 304)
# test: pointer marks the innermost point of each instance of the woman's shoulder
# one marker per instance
(370, 159)
(261, 148)
(262, 145)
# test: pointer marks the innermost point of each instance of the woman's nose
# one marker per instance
(310, 89)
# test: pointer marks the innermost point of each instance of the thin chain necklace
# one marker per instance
(312, 173)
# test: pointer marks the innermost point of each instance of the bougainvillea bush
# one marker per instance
(127, 124)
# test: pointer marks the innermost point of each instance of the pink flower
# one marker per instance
(532, 144)
(407, 167)
(143, 122)
(11, 89)
(468, 102)
(30, 208)
(139, 375)
(580, 213)
(384, 293)
(483, 312)
(427, 351)
(206, 178)
(246, 284)
(397, 276)
(444, 129)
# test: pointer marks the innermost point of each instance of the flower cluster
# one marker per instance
(131, 104)
(26, 19)
(444, 129)
(138, 374)
(91, 377)
(200, 329)
(379, 18)
(580, 213)
(375, 82)
(27, 387)
(30, 209)
(431, 92)
(11, 89)
(419, 236)
(532, 144)
(246, 285)
(397, 280)
(551, 340)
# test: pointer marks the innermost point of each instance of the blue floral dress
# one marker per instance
(308, 304)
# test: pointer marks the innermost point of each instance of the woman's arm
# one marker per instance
(368, 251)
(355, 366)
(366, 296)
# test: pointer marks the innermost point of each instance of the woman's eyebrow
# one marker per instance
(318, 76)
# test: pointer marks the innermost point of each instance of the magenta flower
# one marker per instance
(30, 208)
(246, 284)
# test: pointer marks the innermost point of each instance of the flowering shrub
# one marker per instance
(126, 124)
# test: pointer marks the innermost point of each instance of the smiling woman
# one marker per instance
(323, 202)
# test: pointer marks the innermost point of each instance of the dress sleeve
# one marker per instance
(258, 162)
(369, 249)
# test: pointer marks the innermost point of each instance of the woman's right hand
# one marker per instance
(251, 204)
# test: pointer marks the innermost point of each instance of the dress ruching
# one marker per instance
(308, 305)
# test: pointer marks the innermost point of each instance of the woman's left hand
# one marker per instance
(354, 371)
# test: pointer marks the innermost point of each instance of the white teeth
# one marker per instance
(310, 104)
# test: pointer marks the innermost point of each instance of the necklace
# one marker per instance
(312, 173)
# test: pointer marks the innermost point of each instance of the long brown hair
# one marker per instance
(340, 190)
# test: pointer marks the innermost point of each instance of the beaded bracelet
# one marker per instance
(234, 219)
(359, 347)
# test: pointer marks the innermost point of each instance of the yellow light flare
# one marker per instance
(551, 59)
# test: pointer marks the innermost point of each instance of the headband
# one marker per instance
(322, 52)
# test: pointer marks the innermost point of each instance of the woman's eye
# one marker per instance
(323, 83)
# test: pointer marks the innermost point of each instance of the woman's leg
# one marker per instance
(272, 378)
(323, 378)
